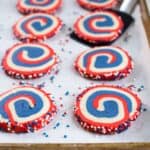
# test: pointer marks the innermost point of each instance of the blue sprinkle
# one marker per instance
(45, 134)
(144, 109)
(52, 78)
(67, 125)
(58, 124)
(62, 49)
(67, 93)
(53, 97)
(64, 114)
(65, 136)
(41, 85)
(69, 29)
(141, 88)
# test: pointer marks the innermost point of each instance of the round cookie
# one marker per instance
(97, 4)
(34, 6)
(99, 27)
(104, 63)
(29, 60)
(106, 109)
(37, 27)
(25, 109)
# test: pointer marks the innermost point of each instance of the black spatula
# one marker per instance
(124, 12)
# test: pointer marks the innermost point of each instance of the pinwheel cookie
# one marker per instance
(104, 63)
(106, 109)
(99, 27)
(34, 6)
(25, 109)
(98, 4)
(37, 27)
(29, 60)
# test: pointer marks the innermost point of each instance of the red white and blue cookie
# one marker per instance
(104, 63)
(97, 4)
(34, 6)
(99, 27)
(106, 109)
(37, 27)
(29, 60)
(25, 109)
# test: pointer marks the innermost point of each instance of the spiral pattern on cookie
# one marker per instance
(97, 4)
(29, 60)
(106, 63)
(46, 6)
(37, 27)
(99, 27)
(105, 109)
(25, 109)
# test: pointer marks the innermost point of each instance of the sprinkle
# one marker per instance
(73, 95)
(67, 93)
(57, 125)
(65, 136)
(144, 109)
(60, 98)
(131, 86)
(67, 125)
(45, 134)
(52, 78)
(61, 105)
(56, 72)
(127, 37)
(62, 49)
(69, 29)
(53, 97)
(67, 40)
(64, 114)
(141, 88)
(22, 83)
(41, 85)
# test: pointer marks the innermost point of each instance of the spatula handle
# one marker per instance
(128, 6)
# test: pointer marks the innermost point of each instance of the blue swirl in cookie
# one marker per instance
(33, 52)
(99, 1)
(39, 2)
(102, 60)
(111, 106)
(38, 24)
(101, 20)
(22, 107)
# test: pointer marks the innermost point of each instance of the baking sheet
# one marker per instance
(67, 83)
